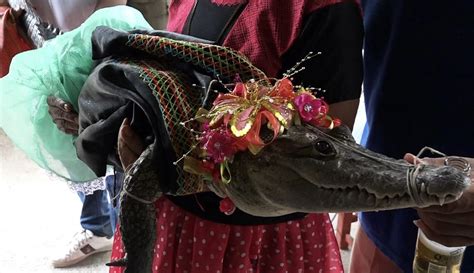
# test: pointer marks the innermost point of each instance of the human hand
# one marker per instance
(130, 145)
(63, 115)
(451, 224)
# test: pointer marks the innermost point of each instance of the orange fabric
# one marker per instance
(367, 258)
(11, 40)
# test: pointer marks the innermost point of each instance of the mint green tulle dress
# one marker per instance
(59, 68)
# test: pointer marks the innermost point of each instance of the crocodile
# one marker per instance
(310, 169)
(306, 169)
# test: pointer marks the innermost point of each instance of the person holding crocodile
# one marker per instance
(275, 36)
(171, 218)
(98, 216)
(418, 92)
(176, 218)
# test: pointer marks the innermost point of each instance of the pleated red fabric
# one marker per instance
(188, 244)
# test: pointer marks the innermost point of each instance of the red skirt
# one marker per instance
(188, 244)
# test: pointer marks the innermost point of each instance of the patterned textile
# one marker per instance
(187, 243)
(264, 31)
(178, 99)
(157, 75)
(171, 89)
(216, 60)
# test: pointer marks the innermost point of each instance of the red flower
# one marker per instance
(309, 107)
(226, 206)
(284, 88)
(218, 144)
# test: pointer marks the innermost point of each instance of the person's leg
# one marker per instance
(114, 185)
(100, 209)
(96, 213)
(96, 235)
(367, 258)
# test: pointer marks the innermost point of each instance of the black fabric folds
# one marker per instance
(115, 91)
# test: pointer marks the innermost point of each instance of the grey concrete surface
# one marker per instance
(38, 217)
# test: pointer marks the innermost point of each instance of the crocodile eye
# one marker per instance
(324, 147)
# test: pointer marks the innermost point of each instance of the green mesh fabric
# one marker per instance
(59, 68)
(178, 102)
(216, 60)
(176, 96)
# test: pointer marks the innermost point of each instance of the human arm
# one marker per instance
(336, 31)
(109, 3)
(450, 224)
(345, 110)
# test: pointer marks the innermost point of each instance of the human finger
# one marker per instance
(54, 101)
(130, 145)
(60, 113)
(411, 158)
(131, 139)
(454, 218)
(450, 241)
(446, 227)
(67, 126)
(126, 155)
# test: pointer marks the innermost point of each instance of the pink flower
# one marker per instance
(308, 106)
(218, 144)
(205, 127)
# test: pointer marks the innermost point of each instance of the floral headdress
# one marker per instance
(235, 121)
